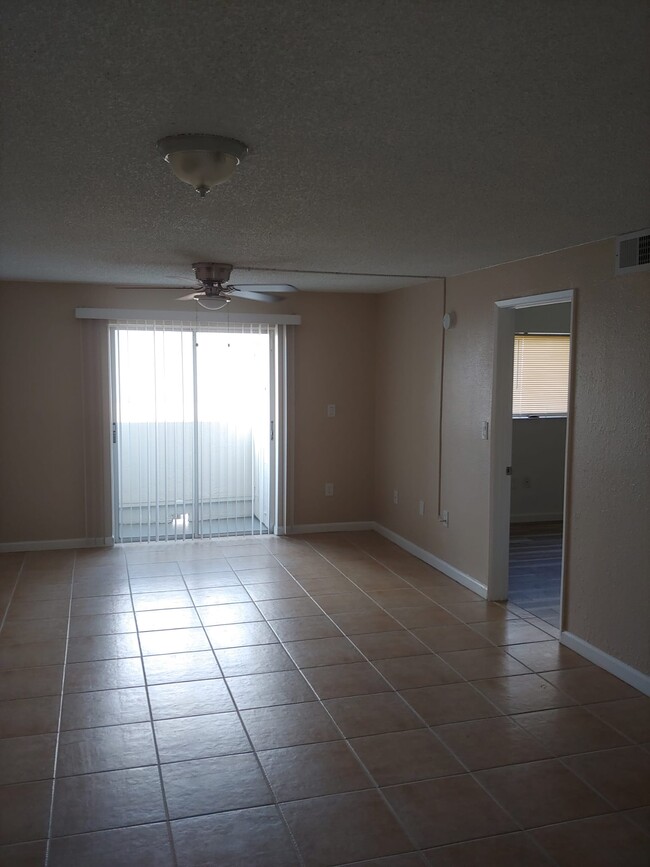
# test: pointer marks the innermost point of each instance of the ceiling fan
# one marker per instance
(213, 280)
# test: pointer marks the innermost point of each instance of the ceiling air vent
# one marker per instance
(633, 252)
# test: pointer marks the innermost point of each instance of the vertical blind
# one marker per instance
(192, 411)
(541, 374)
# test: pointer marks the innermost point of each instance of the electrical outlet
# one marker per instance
(421, 508)
(329, 489)
(444, 518)
(331, 410)
(395, 496)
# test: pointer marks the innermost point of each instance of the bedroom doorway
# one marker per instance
(531, 409)
(193, 431)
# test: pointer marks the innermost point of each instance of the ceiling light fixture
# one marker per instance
(203, 161)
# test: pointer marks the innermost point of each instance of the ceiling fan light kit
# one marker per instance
(200, 160)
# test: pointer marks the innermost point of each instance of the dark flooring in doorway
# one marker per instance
(536, 569)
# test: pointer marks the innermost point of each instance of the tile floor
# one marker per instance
(323, 700)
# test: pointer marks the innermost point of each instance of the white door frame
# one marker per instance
(501, 438)
(278, 408)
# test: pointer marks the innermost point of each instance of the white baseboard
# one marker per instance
(441, 565)
(342, 527)
(614, 666)
(536, 518)
(55, 544)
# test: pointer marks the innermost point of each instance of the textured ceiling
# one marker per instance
(400, 137)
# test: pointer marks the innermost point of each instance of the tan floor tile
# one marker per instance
(405, 756)
(622, 776)
(175, 667)
(256, 836)
(23, 854)
(239, 612)
(103, 647)
(167, 618)
(507, 850)
(546, 656)
(361, 622)
(341, 603)
(440, 638)
(103, 674)
(428, 614)
(410, 672)
(32, 655)
(590, 684)
(542, 793)
(605, 841)
(204, 566)
(361, 715)
(411, 859)
(640, 817)
(173, 641)
(162, 599)
(264, 690)
(281, 609)
(262, 561)
(207, 596)
(262, 576)
(26, 759)
(21, 632)
(212, 579)
(158, 584)
(105, 749)
(569, 730)
(215, 784)
(101, 624)
(506, 632)
(105, 708)
(153, 570)
(489, 743)
(338, 828)
(523, 692)
(106, 587)
(113, 799)
(259, 659)
(448, 810)
(289, 725)
(376, 580)
(198, 737)
(335, 681)
(630, 716)
(140, 846)
(24, 811)
(189, 698)
(89, 605)
(450, 593)
(240, 635)
(323, 651)
(303, 628)
(29, 716)
(327, 586)
(311, 770)
(479, 612)
(275, 590)
(390, 645)
(483, 662)
(31, 682)
(449, 702)
(35, 610)
(403, 597)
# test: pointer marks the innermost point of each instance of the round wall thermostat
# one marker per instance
(448, 321)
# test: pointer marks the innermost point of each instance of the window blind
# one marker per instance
(541, 374)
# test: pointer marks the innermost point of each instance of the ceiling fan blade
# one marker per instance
(256, 296)
(284, 288)
(192, 296)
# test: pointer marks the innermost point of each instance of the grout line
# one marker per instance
(59, 718)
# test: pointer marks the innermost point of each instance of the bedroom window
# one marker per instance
(541, 375)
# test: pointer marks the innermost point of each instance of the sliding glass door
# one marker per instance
(192, 431)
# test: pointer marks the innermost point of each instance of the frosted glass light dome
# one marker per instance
(202, 161)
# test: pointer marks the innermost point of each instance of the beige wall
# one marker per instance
(607, 580)
(52, 429)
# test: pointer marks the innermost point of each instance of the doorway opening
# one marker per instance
(530, 434)
(193, 431)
